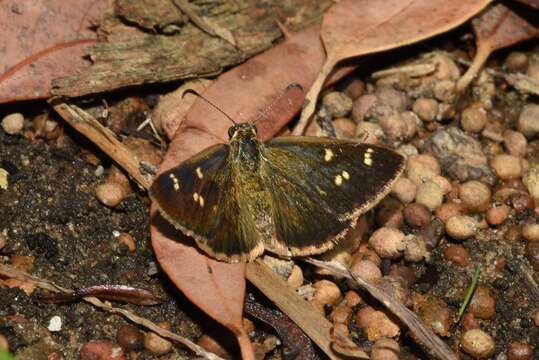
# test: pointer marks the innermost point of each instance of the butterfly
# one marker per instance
(291, 195)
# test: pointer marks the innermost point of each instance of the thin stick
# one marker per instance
(11, 272)
(316, 326)
(416, 326)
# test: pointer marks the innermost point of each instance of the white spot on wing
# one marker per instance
(199, 172)
(175, 181)
(345, 175)
(195, 197)
(201, 201)
(338, 180)
(328, 155)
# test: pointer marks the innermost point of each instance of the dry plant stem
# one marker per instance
(415, 325)
(11, 272)
(300, 311)
(483, 51)
(310, 106)
(104, 139)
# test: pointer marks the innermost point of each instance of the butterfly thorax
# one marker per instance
(247, 156)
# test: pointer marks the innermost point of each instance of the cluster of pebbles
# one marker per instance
(469, 197)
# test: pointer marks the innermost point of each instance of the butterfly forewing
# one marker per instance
(198, 198)
(320, 186)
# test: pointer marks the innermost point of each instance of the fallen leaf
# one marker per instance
(357, 27)
(249, 92)
(42, 40)
(494, 29)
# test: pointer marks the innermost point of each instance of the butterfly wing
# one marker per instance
(320, 186)
(199, 199)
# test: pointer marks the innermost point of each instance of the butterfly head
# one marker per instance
(242, 131)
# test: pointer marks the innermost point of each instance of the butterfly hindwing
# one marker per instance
(198, 198)
(320, 186)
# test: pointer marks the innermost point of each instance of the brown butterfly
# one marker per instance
(292, 195)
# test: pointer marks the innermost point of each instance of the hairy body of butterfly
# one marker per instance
(289, 195)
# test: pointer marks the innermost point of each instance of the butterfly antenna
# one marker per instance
(268, 109)
(191, 91)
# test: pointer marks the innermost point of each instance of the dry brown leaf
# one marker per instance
(357, 27)
(42, 40)
(248, 92)
(494, 29)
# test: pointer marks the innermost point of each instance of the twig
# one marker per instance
(416, 326)
(104, 139)
(11, 272)
(470, 291)
(298, 310)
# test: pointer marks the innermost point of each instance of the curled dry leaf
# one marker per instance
(357, 27)
(42, 40)
(250, 92)
(496, 28)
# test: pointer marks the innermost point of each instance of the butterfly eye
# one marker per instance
(231, 131)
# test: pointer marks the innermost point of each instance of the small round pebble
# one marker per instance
(449, 209)
(404, 190)
(516, 61)
(475, 195)
(327, 293)
(444, 90)
(536, 317)
(394, 126)
(354, 89)
(55, 323)
(426, 109)
(461, 227)
(415, 249)
(352, 298)
(420, 168)
(127, 240)
(344, 128)
(369, 133)
(519, 350)
(507, 166)
(13, 123)
(417, 215)
(531, 181)
(387, 242)
(130, 338)
(3, 241)
(457, 254)
(530, 232)
(474, 118)
(527, 121)
(395, 99)
(483, 304)
(110, 194)
(515, 143)
(430, 195)
(363, 316)
(156, 345)
(210, 344)
(101, 350)
(361, 106)
(337, 104)
(532, 254)
(341, 314)
(366, 269)
(498, 214)
(380, 325)
(385, 349)
(478, 343)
